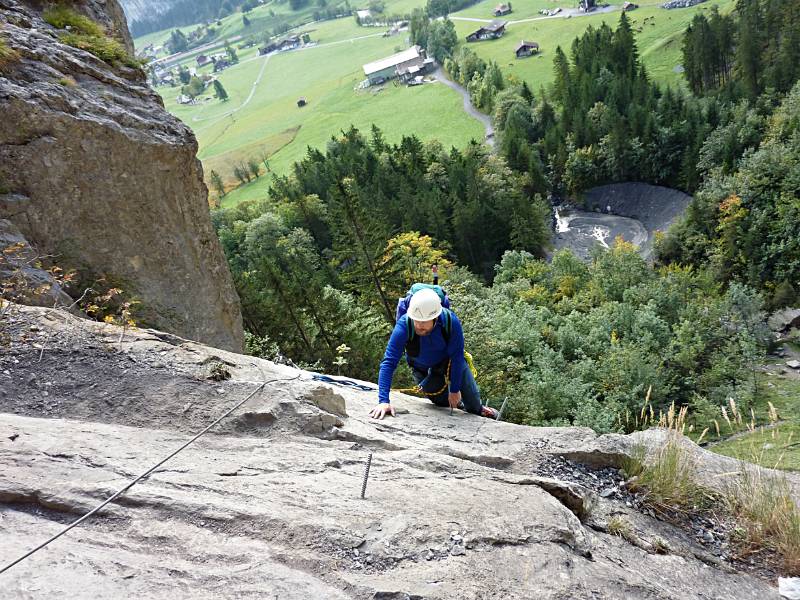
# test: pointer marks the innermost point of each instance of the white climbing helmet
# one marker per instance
(425, 305)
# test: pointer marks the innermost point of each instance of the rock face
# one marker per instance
(268, 504)
(95, 171)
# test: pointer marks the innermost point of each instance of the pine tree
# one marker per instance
(358, 235)
(217, 182)
(265, 258)
(219, 91)
(561, 86)
(232, 56)
(748, 56)
(526, 93)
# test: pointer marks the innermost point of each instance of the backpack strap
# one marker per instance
(412, 345)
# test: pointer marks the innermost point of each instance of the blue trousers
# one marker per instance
(433, 380)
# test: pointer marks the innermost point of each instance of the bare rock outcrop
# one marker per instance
(95, 171)
(268, 503)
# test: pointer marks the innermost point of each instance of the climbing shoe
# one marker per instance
(489, 412)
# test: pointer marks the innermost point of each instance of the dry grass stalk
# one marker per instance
(768, 516)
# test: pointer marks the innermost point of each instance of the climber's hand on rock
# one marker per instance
(382, 410)
(453, 398)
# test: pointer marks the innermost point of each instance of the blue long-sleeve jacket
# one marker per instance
(433, 350)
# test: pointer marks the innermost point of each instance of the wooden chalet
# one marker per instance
(490, 31)
(526, 49)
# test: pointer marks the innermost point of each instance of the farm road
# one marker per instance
(247, 100)
(468, 107)
(571, 12)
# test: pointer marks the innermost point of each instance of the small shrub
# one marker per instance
(218, 372)
(621, 527)
(68, 82)
(661, 546)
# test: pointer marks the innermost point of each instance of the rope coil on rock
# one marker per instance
(145, 474)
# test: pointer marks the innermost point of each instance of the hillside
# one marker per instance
(140, 10)
(268, 503)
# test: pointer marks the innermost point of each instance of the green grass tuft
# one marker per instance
(62, 17)
(86, 34)
(103, 47)
(767, 516)
(621, 527)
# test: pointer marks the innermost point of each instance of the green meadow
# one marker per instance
(659, 39)
(261, 116)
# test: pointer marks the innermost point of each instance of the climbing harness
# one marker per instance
(342, 382)
(145, 474)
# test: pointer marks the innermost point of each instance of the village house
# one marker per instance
(490, 31)
(220, 64)
(526, 49)
(502, 9)
(406, 64)
(288, 43)
(271, 47)
(626, 6)
(586, 5)
(203, 60)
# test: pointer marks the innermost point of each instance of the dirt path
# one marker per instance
(468, 107)
(246, 101)
(569, 12)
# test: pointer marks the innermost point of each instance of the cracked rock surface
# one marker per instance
(268, 504)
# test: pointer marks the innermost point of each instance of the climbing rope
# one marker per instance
(417, 389)
(342, 382)
(143, 475)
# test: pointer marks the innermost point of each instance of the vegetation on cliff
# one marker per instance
(82, 32)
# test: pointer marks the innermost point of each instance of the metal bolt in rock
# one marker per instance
(366, 476)
(502, 408)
